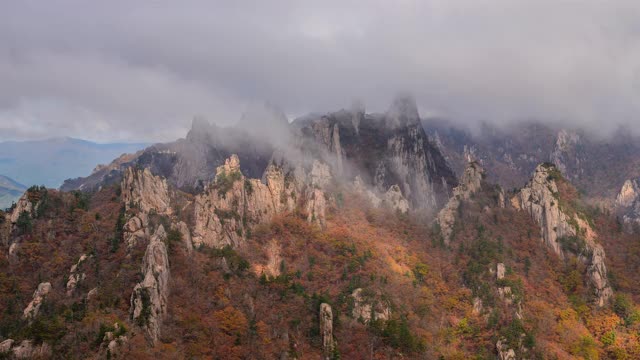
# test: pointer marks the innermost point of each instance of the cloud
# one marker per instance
(123, 70)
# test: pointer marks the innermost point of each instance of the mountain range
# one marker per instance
(340, 235)
(10, 191)
(49, 162)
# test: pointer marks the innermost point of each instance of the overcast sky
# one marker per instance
(140, 70)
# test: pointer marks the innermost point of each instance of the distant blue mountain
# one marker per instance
(10, 191)
(49, 162)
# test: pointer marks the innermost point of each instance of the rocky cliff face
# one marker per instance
(75, 275)
(145, 191)
(149, 298)
(232, 202)
(142, 194)
(567, 155)
(383, 150)
(31, 311)
(470, 183)
(627, 204)
(540, 198)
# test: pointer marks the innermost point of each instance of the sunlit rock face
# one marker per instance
(232, 203)
(540, 199)
(145, 191)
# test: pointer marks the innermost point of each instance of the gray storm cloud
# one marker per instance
(123, 70)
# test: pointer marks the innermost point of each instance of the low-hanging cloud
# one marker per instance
(123, 70)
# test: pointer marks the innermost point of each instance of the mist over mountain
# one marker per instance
(491, 61)
(354, 179)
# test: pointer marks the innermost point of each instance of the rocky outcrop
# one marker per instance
(149, 298)
(505, 292)
(23, 205)
(26, 349)
(6, 345)
(135, 229)
(540, 199)
(31, 311)
(147, 192)
(228, 207)
(629, 194)
(367, 308)
(627, 204)
(500, 271)
(326, 330)
(75, 276)
(470, 183)
(113, 340)
(504, 351)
